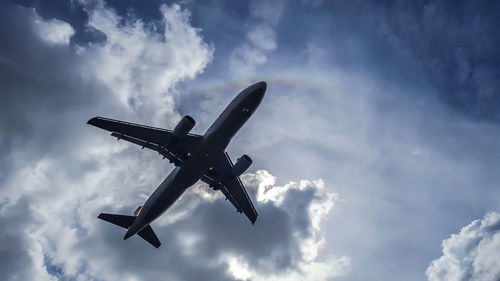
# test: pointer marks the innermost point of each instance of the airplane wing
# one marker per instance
(156, 139)
(220, 179)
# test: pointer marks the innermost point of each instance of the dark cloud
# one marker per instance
(17, 223)
(44, 97)
(199, 245)
(267, 246)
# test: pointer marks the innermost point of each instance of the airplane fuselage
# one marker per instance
(214, 143)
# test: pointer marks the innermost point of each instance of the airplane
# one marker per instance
(195, 158)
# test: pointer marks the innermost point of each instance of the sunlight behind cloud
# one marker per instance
(54, 31)
(142, 67)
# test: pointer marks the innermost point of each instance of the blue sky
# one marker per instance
(375, 149)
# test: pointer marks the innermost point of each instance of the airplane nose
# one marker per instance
(262, 85)
(259, 90)
(253, 95)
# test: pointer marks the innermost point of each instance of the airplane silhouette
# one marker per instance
(196, 158)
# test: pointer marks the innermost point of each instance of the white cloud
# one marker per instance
(239, 270)
(471, 255)
(68, 186)
(54, 31)
(142, 67)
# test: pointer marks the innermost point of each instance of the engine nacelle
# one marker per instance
(241, 165)
(183, 127)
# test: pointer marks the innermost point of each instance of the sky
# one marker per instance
(375, 150)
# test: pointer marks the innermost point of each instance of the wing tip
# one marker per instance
(93, 121)
(253, 220)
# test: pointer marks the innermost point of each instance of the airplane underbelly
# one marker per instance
(170, 190)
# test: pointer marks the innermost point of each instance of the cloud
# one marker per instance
(72, 172)
(216, 242)
(49, 90)
(22, 258)
(349, 100)
(211, 241)
(142, 67)
(245, 59)
(451, 48)
(42, 92)
(307, 204)
(249, 56)
(54, 31)
(132, 72)
(263, 37)
(471, 255)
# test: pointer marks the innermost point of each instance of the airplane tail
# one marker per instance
(146, 233)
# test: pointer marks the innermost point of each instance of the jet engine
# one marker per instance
(241, 165)
(183, 127)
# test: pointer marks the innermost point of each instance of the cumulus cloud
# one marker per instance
(211, 241)
(142, 67)
(471, 255)
(308, 204)
(133, 71)
(72, 172)
(49, 90)
(216, 242)
(348, 102)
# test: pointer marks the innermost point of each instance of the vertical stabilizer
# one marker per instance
(148, 234)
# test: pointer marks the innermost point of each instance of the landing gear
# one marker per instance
(137, 211)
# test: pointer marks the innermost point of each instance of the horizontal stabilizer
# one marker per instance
(120, 220)
(148, 234)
